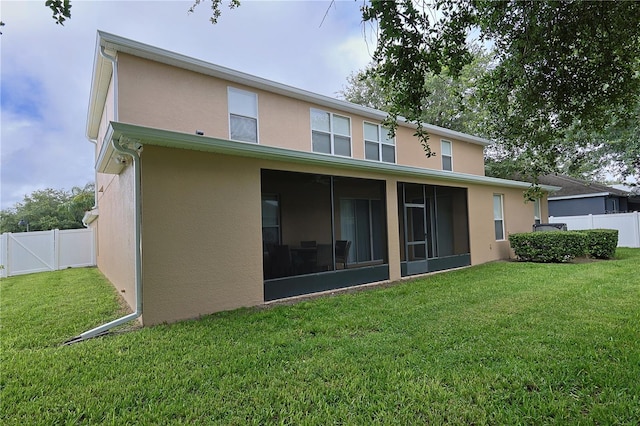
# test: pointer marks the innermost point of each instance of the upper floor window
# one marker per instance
(446, 154)
(498, 216)
(243, 115)
(330, 133)
(378, 145)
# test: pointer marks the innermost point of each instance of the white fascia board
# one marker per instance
(171, 139)
(120, 44)
(572, 197)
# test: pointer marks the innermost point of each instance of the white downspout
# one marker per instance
(95, 181)
(122, 147)
(133, 149)
(114, 64)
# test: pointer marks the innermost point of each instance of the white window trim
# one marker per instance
(504, 234)
(442, 142)
(537, 210)
(379, 142)
(278, 226)
(255, 96)
(332, 133)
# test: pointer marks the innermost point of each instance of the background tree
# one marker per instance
(452, 102)
(559, 66)
(49, 209)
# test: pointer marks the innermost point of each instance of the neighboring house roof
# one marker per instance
(112, 44)
(577, 188)
(633, 190)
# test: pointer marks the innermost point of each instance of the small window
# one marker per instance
(498, 216)
(612, 205)
(243, 115)
(446, 154)
(270, 220)
(330, 133)
(537, 216)
(378, 144)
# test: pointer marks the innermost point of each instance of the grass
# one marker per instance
(501, 343)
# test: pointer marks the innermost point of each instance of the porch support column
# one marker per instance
(393, 233)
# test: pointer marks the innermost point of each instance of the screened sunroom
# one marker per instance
(321, 232)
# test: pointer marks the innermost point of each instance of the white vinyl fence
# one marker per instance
(627, 224)
(29, 252)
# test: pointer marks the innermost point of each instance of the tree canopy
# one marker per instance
(452, 102)
(560, 68)
(48, 209)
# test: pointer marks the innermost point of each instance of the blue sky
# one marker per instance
(46, 68)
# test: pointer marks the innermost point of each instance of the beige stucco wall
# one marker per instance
(108, 115)
(115, 238)
(466, 157)
(518, 217)
(202, 245)
(180, 100)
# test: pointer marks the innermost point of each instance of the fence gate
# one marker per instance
(29, 252)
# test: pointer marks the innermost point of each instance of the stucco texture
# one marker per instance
(202, 247)
(115, 238)
(181, 100)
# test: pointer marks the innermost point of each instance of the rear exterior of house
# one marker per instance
(234, 190)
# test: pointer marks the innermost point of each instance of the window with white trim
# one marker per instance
(378, 145)
(498, 216)
(446, 155)
(270, 220)
(243, 115)
(537, 216)
(330, 133)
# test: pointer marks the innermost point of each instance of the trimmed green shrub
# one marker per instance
(601, 243)
(547, 247)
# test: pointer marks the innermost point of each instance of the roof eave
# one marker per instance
(108, 157)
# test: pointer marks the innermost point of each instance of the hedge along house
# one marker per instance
(218, 190)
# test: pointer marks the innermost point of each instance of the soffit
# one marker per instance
(110, 161)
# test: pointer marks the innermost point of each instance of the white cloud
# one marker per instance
(43, 142)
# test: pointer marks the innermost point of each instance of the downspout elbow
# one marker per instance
(132, 149)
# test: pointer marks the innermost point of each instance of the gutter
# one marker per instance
(127, 148)
(590, 195)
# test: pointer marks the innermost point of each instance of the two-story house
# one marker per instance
(218, 189)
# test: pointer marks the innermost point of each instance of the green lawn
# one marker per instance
(502, 343)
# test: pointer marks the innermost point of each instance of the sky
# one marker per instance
(46, 69)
